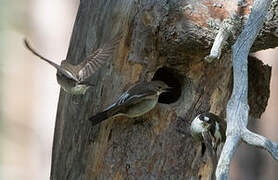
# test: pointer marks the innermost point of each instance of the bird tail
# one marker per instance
(28, 46)
(99, 117)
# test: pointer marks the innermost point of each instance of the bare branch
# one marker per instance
(257, 140)
(228, 150)
(227, 28)
(237, 107)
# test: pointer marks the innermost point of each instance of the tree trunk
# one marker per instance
(163, 40)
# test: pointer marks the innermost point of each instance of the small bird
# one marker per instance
(211, 123)
(74, 78)
(136, 101)
(209, 129)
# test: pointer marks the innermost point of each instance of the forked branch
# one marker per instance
(237, 107)
(257, 140)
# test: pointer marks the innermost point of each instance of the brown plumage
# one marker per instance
(136, 101)
(74, 78)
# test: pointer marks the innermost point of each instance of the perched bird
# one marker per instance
(210, 123)
(136, 101)
(74, 78)
(209, 129)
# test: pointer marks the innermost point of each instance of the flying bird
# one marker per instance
(74, 78)
(136, 101)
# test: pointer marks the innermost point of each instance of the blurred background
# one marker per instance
(29, 92)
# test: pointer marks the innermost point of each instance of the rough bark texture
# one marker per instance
(168, 37)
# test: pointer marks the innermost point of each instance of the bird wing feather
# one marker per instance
(94, 61)
(134, 98)
(58, 67)
(126, 98)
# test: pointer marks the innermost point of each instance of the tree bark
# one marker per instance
(165, 40)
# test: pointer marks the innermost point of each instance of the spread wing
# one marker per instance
(61, 70)
(94, 61)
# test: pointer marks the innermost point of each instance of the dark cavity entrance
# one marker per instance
(172, 79)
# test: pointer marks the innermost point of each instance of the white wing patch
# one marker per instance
(112, 105)
(217, 133)
(70, 75)
(123, 98)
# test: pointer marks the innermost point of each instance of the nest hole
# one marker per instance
(171, 78)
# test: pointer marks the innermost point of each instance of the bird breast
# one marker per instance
(71, 86)
(197, 127)
(141, 107)
(79, 89)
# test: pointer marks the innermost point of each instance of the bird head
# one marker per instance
(206, 119)
(209, 122)
(160, 86)
(199, 125)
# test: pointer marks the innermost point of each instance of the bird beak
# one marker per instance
(168, 89)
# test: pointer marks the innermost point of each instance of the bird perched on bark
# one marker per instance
(136, 101)
(210, 130)
(74, 78)
(210, 123)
